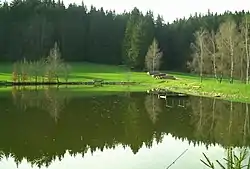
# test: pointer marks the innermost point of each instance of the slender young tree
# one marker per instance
(245, 26)
(153, 57)
(229, 41)
(54, 63)
(211, 49)
(198, 51)
(221, 53)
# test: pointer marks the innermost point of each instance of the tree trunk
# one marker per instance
(247, 49)
(247, 52)
(201, 56)
(232, 60)
(242, 78)
(221, 67)
(214, 60)
(247, 76)
(154, 53)
(214, 64)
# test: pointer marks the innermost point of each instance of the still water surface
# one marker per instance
(62, 129)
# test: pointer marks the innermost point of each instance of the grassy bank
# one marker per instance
(190, 84)
(186, 83)
(86, 72)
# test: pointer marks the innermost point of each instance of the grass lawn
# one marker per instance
(191, 84)
(88, 72)
(186, 83)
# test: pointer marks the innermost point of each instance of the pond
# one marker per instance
(59, 128)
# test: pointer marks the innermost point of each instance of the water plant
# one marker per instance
(233, 161)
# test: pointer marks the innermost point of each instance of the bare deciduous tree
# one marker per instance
(221, 64)
(50, 67)
(229, 41)
(153, 57)
(245, 26)
(211, 49)
(54, 63)
(198, 51)
(225, 52)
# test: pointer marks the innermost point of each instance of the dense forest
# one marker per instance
(30, 28)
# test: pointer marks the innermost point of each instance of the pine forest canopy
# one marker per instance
(30, 28)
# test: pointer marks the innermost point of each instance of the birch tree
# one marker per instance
(245, 25)
(221, 53)
(229, 41)
(198, 48)
(153, 57)
(211, 49)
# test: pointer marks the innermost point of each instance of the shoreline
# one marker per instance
(170, 85)
(202, 91)
(7, 83)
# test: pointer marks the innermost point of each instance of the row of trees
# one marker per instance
(29, 28)
(46, 69)
(224, 52)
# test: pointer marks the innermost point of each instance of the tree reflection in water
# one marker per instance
(49, 99)
(86, 123)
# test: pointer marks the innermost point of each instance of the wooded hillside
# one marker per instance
(30, 28)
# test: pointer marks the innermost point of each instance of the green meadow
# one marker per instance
(190, 84)
(186, 83)
(88, 72)
(84, 72)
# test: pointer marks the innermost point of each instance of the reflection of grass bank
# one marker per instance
(77, 91)
(85, 89)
